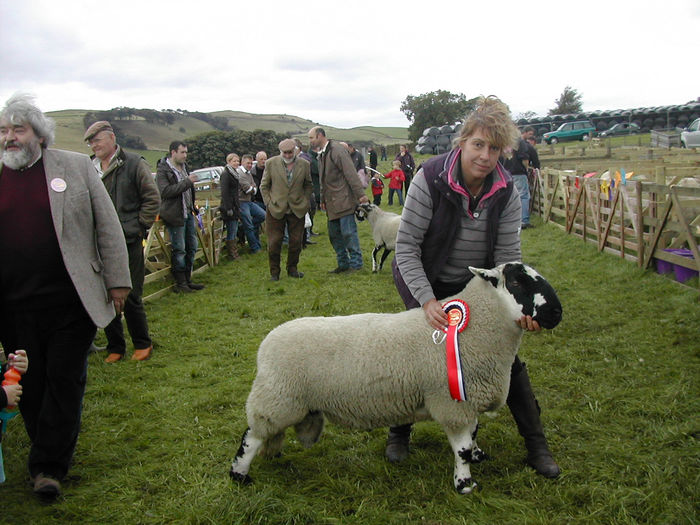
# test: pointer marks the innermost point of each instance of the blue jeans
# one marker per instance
(398, 192)
(252, 216)
(184, 244)
(523, 188)
(343, 236)
(231, 229)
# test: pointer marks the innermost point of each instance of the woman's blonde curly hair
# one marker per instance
(492, 117)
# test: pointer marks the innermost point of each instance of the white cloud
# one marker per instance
(346, 64)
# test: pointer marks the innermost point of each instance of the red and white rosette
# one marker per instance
(457, 319)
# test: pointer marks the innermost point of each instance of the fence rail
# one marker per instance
(157, 250)
(634, 219)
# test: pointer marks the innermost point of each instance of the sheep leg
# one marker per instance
(384, 256)
(465, 452)
(374, 258)
(244, 457)
(309, 429)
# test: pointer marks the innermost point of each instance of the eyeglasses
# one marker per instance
(288, 152)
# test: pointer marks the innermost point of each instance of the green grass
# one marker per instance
(618, 382)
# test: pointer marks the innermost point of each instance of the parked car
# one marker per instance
(207, 178)
(576, 130)
(690, 136)
(623, 128)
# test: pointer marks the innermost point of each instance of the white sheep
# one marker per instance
(371, 370)
(384, 226)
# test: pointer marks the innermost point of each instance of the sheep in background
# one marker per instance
(371, 370)
(384, 226)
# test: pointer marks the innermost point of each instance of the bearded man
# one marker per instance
(63, 270)
(286, 189)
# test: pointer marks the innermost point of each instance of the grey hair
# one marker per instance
(21, 109)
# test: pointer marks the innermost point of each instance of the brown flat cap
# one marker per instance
(94, 129)
(287, 145)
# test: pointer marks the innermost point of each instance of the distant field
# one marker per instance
(70, 129)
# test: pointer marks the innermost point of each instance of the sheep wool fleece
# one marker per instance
(393, 374)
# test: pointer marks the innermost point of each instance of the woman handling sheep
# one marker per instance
(462, 210)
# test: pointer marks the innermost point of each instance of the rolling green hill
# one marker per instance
(70, 129)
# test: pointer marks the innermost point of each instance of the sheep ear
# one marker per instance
(491, 276)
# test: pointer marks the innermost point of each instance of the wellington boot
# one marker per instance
(190, 284)
(181, 283)
(397, 443)
(526, 412)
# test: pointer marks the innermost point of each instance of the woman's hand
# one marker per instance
(526, 323)
(435, 315)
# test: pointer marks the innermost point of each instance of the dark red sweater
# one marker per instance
(32, 273)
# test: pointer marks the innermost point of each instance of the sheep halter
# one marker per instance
(457, 320)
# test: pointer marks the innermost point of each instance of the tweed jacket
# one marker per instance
(88, 231)
(279, 196)
(341, 189)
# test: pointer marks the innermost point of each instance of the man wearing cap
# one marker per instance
(286, 189)
(63, 270)
(135, 196)
(341, 191)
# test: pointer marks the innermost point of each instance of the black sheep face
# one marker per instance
(528, 292)
(362, 211)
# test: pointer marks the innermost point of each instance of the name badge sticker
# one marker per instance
(58, 185)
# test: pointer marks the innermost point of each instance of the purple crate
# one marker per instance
(663, 266)
(682, 273)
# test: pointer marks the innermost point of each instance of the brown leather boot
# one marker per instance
(526, 412)
(232, 249)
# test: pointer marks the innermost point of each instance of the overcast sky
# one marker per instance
(347, 64)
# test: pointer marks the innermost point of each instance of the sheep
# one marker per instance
(384, 227)
(371, 370)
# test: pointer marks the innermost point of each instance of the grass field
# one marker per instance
(157, 137)
(618, 382)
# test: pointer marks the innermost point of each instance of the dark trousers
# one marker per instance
(377, 199)
(275, 234)
(57, 342)
(134, 312)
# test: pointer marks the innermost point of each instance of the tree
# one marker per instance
(436, 108)
(525, 115)
(211, 148)
(568, 102)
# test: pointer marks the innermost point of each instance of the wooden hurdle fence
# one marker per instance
(634, 219)
(157, 250)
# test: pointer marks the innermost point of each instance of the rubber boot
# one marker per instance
(526, 412)
(190, 284)
(232, 249)
(397, 443)
(181, 283)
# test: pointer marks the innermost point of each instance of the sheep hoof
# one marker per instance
(465, 486)
(243, 479)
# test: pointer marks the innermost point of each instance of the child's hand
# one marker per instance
(13, 393)
(19, 361)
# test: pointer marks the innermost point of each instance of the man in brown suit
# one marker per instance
(286, 189)
(341, 192)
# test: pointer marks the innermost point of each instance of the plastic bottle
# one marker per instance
(12, 377)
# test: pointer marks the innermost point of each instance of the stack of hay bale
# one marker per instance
(436, 140)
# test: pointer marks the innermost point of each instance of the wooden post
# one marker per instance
(660, 175)
(640, 225)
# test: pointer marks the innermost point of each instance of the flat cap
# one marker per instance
(287, 145)
(94, 129)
